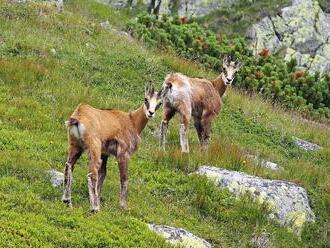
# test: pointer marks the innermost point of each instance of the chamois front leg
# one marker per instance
(73, 156)
(123, 170)
(93, 178)
(163, 131)
(184, 134)
(167, 116)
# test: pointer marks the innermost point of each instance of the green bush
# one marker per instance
(266, 75)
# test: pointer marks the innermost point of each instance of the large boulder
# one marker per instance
(302, 31)
(287, 202)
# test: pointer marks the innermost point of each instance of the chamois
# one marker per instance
(101, 133)
(196, 97)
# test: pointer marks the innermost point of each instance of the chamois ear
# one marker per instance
(237, 64)
(226, 59)
(149, 89)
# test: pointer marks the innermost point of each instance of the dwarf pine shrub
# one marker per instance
(266, 74)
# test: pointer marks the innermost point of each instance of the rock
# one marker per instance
(53, 51)
(57, 178)
(261, 241)
(264, 163)
(302, 30)
(105, 25)
(287, 202)
(118, 4)
(60, 5)
(306, 145)
(186, 8)
(179, 237)
(263, 36)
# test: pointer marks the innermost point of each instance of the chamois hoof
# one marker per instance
(95, 210)
(123, 205)
(67, 202)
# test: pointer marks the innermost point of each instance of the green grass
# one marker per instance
(39, 90)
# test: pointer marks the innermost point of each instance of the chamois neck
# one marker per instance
(139, 119)
(219, 85)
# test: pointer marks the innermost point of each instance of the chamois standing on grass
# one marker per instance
(196, 97)
(102, 132)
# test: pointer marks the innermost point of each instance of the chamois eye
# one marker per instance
(146, 100)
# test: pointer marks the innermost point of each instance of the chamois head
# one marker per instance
(152, 101)
(229, 69)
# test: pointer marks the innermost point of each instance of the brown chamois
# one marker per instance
(101, 133)
(196, 97)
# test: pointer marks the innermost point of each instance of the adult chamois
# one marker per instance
(102, 132)
(195, 97)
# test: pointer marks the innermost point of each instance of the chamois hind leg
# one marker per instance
(206, 121)
(94, 153)
(73, 155)
(123, 170)
(185, 113)
(167, 116)
(102, 173)
(199, 129)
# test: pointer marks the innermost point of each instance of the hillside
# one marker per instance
(50, 62)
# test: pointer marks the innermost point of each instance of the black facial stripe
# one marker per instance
(158, 105)
(146, 102)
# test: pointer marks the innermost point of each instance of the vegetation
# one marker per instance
(235, 20)
(266, 75)
(50, 62)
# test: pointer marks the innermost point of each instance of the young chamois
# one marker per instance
(102, 132)
(196, 97)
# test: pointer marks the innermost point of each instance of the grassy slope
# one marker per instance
(38, 91)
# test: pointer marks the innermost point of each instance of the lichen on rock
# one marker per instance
(306, 145)
(179, 236)
(302, 30)
(286, 201)
(185, 8)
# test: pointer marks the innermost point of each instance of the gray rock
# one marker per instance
(302, 30)
(306, 145)
(264, 163)
(105, 25)
(262, 241)
(179, 237)
(287, 202)
(53, 51)
(263, 36)
(57, 178)
(60, 5)
(118, 4)
(186, 8)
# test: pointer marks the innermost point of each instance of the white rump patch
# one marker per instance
(77, 131)
(179, 92)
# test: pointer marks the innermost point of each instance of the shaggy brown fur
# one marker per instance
(197, 98)
(102, 133)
